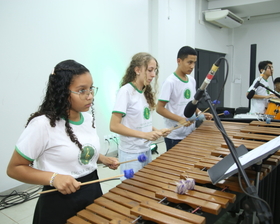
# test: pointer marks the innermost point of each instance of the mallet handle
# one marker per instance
(85, 183)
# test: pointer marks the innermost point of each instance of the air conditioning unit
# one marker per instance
(223, 18)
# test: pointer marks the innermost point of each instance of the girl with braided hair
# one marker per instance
(131, 116)
(61, 137)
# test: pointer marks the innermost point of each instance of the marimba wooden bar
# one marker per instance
(151, 194)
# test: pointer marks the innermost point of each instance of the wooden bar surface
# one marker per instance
(191, 158)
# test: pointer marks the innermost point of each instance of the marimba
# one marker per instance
(150, 195)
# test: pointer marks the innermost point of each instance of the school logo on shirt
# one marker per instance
(86, 154)
(187, 94)
(146, 113)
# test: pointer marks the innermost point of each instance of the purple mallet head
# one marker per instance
(216, 102)
(184, 185)
(226, 112)
(128, 173)
(142, 158)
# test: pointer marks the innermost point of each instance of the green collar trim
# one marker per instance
(180, 78)
(135, 88)
(77, 122)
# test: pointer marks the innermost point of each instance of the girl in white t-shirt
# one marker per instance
(131, 116)
(62, 138)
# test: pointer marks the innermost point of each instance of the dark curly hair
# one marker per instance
(139, 60)
(56, 104)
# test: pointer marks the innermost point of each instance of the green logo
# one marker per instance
(146, 113)
(187, 94)
(86, 154)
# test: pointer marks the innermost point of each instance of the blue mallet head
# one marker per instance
(142, 158)
(268, 120)
(226, 113)
(216, 102)
(128, 173)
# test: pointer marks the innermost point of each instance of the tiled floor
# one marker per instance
(23, 213)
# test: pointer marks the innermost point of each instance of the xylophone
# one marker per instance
(150, 195)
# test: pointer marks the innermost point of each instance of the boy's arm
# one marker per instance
(166, 113)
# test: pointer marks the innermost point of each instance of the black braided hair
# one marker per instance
(56, 105)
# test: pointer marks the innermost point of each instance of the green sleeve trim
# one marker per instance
(119, 112)
(163, 100)
(24, 156)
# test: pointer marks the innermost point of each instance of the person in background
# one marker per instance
(62, 138)
(132, 113)
(177, 91)
(276, 83)
(260, 99)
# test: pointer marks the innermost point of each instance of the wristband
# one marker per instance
(52, 179)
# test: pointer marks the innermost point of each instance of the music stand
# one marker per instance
(255, 204)
(226, 167)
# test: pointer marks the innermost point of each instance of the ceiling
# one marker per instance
(247, 9)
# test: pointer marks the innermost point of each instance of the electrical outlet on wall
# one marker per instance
(106, 138)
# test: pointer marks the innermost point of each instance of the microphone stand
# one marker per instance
(275, 93)
(254, 204)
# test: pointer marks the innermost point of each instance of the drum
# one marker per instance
(273, 108)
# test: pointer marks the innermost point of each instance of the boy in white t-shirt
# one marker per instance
(177, 91)
(260, 99)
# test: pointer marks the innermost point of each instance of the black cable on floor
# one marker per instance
(15, 198)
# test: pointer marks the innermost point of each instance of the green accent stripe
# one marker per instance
(180, 78)
(136, 88)
(78, 122)
(163, 100)
(119, 112)
(24, 156)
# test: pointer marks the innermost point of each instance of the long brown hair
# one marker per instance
(139, 60)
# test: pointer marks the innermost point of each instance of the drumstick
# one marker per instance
(141, 158)
(213, 103)
(179, 124)
(225, 113)
(127, 173)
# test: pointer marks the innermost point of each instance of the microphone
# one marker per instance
(253, 91)
(192, 105)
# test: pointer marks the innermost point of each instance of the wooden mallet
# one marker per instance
(127, 173)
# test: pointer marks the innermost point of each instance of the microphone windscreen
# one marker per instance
(251, 94)
(190, 109)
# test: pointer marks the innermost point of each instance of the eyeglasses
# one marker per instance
(84, 93)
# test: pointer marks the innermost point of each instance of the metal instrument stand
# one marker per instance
(253, 204)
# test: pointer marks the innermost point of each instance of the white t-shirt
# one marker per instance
(259, 105)
(53, 149)
(177, 93)
(132, 104)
